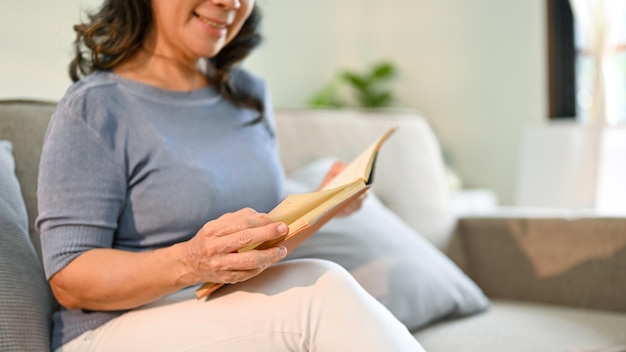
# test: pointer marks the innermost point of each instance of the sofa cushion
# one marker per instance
(516, 326)
(411, 178)
(403, 270)
(25, 299)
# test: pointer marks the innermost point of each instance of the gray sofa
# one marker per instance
(555, 282)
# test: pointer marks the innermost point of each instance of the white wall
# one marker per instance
(475, 68)
(36, 46)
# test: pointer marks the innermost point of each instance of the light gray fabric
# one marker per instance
(25, 300)
(515, 326)
(404, 271)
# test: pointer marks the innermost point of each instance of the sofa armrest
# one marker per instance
(24, 123)
(577, 262)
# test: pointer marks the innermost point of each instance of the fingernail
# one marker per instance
(282, 251)
(282, 228)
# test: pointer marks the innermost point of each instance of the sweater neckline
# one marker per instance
(200, 95)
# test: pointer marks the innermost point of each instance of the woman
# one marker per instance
(152, 166)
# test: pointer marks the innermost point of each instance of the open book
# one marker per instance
(305, 213)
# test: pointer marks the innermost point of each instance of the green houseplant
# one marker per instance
(367, 89)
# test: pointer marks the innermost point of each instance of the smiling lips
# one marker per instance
(211, 22)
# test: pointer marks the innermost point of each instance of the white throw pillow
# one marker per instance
(410, 276)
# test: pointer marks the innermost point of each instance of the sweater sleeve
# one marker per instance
(81, 191)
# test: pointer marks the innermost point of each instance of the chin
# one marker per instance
(210, 52)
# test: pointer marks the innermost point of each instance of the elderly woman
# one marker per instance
(159, 163)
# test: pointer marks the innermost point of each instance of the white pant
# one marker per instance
(299, 305)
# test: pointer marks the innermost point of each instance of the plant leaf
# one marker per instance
(326, 97)
(380, 100)
(357, 81)
(383, 70)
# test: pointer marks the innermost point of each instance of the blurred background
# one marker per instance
(477, 70)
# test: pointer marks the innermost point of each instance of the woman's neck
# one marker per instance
(163, 71)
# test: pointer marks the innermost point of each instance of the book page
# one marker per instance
(345, 192)
(360, 167)
(297, 205)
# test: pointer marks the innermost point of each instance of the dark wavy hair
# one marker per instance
(117, 30)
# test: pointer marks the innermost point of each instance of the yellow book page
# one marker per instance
(345, 192)
(313, 214)
(300, 210)
(294, 207)
(297, 205)
(360, 167)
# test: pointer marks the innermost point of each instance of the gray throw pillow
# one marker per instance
(410, 276)
(25, 299)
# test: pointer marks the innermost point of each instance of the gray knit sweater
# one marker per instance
(130, 166)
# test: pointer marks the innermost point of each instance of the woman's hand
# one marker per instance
(212, 254)
(113, 279)
(355, 205)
